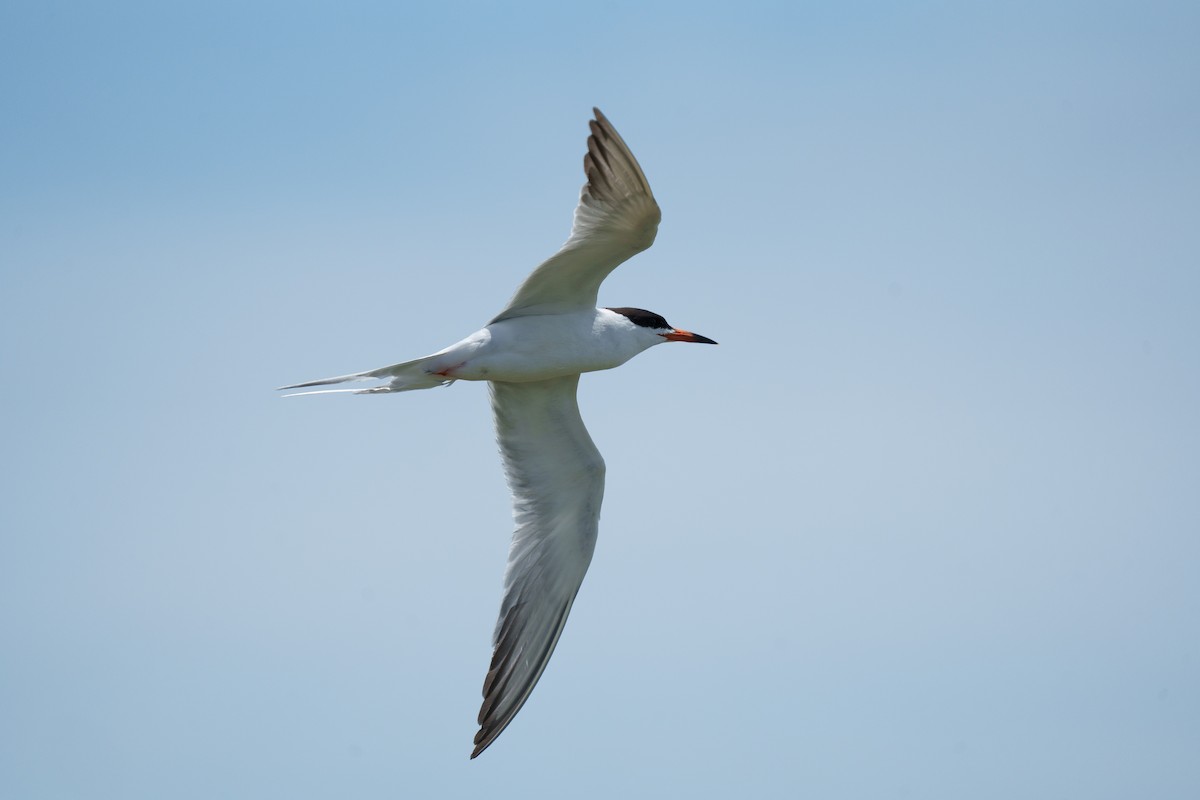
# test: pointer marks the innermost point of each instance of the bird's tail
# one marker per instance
(403, 377)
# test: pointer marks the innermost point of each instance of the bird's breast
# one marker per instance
(524, 349)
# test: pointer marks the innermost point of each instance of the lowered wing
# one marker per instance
(557, 480)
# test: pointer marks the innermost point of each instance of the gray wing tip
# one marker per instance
(502, 700)
(609, 165)
(483, 740)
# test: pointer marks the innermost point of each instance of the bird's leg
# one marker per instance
(446, 373)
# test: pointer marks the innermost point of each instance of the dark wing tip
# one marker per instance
(601, 126)
(488, 734)
(612, 172)
(502, 697)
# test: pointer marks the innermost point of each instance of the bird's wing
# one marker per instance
(616, 218)
(556, 475)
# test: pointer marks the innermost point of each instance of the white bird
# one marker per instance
(532, 354)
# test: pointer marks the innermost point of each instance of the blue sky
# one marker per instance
(926, 524)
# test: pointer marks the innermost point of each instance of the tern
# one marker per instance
(532, 354)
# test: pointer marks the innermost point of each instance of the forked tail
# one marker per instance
(403, 377)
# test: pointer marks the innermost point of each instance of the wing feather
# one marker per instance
(617, 217)
(556, 475)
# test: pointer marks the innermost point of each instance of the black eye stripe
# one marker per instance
(642, 318)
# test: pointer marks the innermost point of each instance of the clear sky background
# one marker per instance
(926, 524)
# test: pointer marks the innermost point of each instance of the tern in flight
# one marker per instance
(532, 354)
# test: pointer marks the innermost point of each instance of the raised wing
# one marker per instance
(616, 218)
(557, 480)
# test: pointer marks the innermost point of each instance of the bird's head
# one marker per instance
(649, 324)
